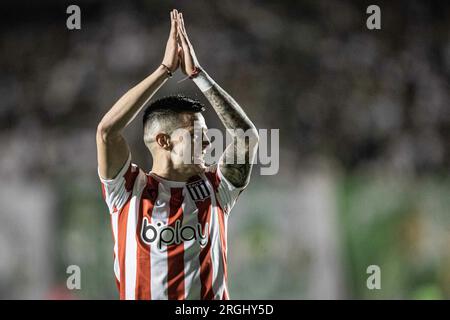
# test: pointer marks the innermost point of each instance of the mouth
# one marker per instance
(200, 159)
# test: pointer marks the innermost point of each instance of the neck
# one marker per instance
(166, 169)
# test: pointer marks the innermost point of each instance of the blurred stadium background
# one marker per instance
(364, 119)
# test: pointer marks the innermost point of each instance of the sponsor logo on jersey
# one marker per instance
(167, 235)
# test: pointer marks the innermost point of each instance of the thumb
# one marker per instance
(181, 58)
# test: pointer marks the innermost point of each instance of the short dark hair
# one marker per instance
(171, 105)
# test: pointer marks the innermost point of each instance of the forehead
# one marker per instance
(191, 119)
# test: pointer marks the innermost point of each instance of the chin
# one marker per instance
(201, 166)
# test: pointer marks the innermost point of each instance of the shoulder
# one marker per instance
(211, 168)
(212, 176)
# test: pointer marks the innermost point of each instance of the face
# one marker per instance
(189, 142)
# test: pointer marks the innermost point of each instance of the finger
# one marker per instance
(173, 18)
(186, 49)
(173, 23)
(183, 28)
(184, 43)
(182, 34)
(183, 39)
(181, 22)
(180, 54)
(179, 35)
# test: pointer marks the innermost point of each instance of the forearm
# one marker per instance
(229, 111)
(240, 127)
(129, 105)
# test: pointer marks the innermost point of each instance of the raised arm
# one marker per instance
(233, 117)
(236, 163)
(112, 149)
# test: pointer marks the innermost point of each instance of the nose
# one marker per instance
(205, 141)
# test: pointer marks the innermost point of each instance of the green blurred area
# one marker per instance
(401, 226)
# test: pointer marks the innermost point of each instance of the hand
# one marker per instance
(188, 59)
(171, 56)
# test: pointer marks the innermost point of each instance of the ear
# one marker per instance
(163, 140)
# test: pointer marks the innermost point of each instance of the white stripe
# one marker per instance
(115, 221)
(226, 290)
(216, 247)
(205, 191)
(225, 238)
(192, 282)
(131, 244)
(158, 257)
(116, 194)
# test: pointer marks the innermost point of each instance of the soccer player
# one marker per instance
(170, 225)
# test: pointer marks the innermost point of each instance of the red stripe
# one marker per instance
(213, 177)
(225, 295)
(223, 240)
(114, 254)
(175, 252)
(143, 278)
(103, 192)
(206, 267)
(122, 237)
(130, 177)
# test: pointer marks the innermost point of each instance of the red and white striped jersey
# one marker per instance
(170, 238)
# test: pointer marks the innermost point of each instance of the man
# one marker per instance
(170, 225)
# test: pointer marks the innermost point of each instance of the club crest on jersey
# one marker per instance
(167, 235)
(198, 190)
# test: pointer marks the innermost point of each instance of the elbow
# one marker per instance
(250, 138)
(103, 131)
(254, 134)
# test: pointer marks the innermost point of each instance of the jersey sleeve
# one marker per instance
(117, 191)
(227, 193)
